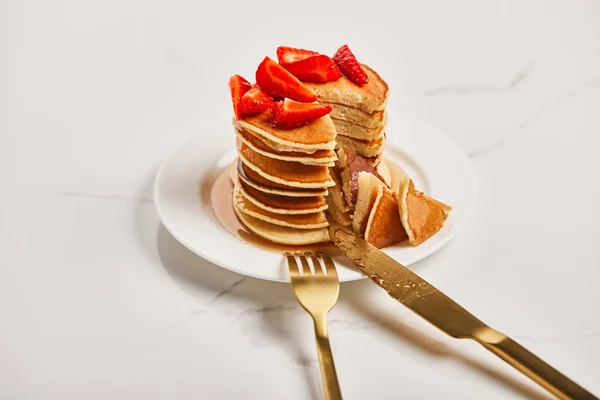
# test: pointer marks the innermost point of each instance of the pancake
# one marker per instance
(300, 221)
(364, 148)
(282, 234)
(282, 204)
(339, 216)
(336, 194)
(368, 98)
(254, 180)
(421, 215)
(349, 129)
(317, 135)
(377, 119)
(384, 227)
(368, 189)
(286, 172)
(320, 157)
(352, 164)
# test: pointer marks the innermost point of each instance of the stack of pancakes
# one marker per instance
(283, 178)
(358, 113)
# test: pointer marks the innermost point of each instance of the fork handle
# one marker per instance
(328, 374)
(535, 368)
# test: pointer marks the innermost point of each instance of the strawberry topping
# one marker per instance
(238, 86)
(319, 69)
(276, 81)
(288, 55)
(254, 101)
(349, 66)
(289, 114)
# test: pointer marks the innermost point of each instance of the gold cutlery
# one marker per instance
(317, 292)
(441, 311)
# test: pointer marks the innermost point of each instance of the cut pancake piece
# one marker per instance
(376, 119)
(368, 189)
(352, 164)
(288, 173)
(336, 193)
(320, 157)
(368, 98)
(339, 216)
(365, 148)
(300, 221)
(384, 227)
(282, 204)
(254, 180)
(421, 215)
(317, 135)
(354, 131)
(282, 234)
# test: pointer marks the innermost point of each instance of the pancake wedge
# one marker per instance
(339, 216)
(286, 172)
(377, 119)
(421, 215)
(352, 164)
(318, 135)
(384, 227)
(368, 189)
(354, 131)
(300, 221)
(368, 98)
(282, 234)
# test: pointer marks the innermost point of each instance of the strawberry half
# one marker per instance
(319, 69)
(238, 86)
(288, 55)
(254, 101)
(349, 66)
(289, 114)
(276, 81)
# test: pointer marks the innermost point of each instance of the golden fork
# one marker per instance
(317, 291)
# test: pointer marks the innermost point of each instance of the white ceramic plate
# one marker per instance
(183, 185)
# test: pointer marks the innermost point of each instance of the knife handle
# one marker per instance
(531, 365)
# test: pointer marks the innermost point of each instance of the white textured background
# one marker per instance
(97, 301)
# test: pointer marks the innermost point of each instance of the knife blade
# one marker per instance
(431, 304)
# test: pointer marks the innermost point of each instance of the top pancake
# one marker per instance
(368, 98)
(317, 135)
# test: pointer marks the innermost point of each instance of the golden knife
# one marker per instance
(441, 311)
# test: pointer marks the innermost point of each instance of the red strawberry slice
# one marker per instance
(349, 66)
(288, 55)
(289, 114)
(238, 86)
(254, 101)
(276, 81)
(319, 69)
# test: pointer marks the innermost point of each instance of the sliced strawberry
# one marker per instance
(349, 66)
(255, 100)
(319, 69)
(238, 86)
(276, 81)
(288, 55)
(289, 114)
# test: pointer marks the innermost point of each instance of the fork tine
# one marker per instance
(305, 267)
(329, 265)
(316, 263)
(292, 265)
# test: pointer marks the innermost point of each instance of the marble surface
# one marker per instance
(98, 301)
